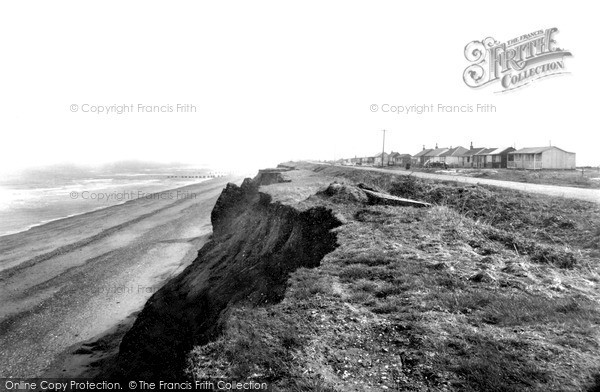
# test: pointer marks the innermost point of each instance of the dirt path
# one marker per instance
(108, 263)
(592, 195)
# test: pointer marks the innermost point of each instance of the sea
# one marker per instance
(41, 196)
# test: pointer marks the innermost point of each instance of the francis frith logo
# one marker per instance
(516, 62)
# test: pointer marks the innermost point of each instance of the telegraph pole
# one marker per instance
(383, 148)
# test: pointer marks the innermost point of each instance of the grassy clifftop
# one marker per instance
(489, 290)
(486, 290)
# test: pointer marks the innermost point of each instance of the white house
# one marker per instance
(453, 157)
(541, 158)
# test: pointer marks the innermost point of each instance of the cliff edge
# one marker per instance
(256, 243)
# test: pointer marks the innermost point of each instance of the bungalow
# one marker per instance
(453, 157)
(435, 155)
(467, 159)
(378, 159)
(482, 158)
(541, 158)
(397, 159)
(420, 158)
(498, 159)
(368, 161)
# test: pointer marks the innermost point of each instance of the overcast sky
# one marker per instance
(273, 81)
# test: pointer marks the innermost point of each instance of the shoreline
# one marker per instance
(42, 223)
(39, 232)
(58, 278)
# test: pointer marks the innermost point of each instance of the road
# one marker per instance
(592, 195)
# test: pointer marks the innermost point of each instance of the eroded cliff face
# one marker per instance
(256, 244)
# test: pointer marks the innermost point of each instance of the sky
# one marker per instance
(273, 81)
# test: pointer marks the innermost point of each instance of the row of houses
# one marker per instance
(475, 157)
(480, 157)
(391, 159)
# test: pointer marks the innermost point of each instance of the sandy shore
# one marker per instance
(78, 280)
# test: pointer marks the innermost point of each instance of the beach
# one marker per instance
(68, 284)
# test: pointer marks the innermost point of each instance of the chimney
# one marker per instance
(423, 147)
(436, 146)
(471, 146)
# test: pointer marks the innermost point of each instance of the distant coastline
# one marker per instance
(38, 196)
(53, 220)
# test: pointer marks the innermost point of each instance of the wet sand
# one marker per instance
(71, 288)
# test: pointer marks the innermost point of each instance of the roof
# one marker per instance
(499, 151)
(473, 151)
(531, 150)
(537, 150)
(456, 151)
(423, 152)
(436, 152)
(486, 151)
